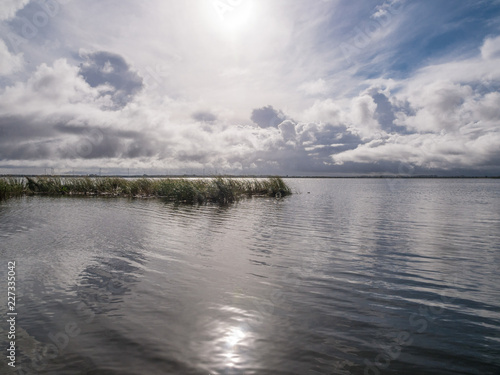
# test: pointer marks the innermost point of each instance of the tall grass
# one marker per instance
(11, 187)
(221, 190)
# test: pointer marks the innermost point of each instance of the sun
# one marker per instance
(232, 17)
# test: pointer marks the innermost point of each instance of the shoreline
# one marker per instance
(191, 176)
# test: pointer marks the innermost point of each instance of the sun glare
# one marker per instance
(234, 336)
(232, 17)
(232, 339)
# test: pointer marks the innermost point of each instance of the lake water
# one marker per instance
(348, 276)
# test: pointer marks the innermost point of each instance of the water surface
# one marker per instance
(349, 276)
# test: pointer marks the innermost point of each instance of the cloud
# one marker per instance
(313, 88)
(326, 110)
(111, 73)
(445, 117)
(58, 115)
(8, 8)
(204, 116)
(491, 48)
(428, 152)
(267, 117)
(363, 109)
(172, 86)
(50, 89)
(9, 63)
(287, 130)
(388, 7)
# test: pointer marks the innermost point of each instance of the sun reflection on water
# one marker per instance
(232, 339)
(234, 336)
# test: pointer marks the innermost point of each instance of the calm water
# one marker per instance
(355, 277)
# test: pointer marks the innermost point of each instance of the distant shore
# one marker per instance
(187, 176)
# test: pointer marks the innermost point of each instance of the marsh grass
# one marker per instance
(219, 190)
(11, 187)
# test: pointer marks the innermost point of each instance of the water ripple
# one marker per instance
(353, 278)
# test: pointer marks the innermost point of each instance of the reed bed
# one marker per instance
(220, 190)
(11, 187)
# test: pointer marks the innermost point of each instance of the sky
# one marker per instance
(288, 87)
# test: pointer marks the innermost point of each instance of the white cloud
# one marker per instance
(287, 129)
(363, 114)
(491, 48)
(452, 110)
(314, 88)
(51, 89)
(9, 63)
(328, 110)
(388, 9)
(429, 151)
(439, 106)
(8, 8)
(194, 95)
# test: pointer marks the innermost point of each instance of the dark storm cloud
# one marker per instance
(34, 150)
(29, 139)
(78, 130)
(15, 128)
(96, 143)
(22, 138)
(204, 116)
(105, 68)
(200, 156)
(267, 117)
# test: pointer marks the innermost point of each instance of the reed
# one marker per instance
(11, 187)
(219, 190)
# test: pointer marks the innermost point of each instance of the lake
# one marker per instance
(347, 276)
